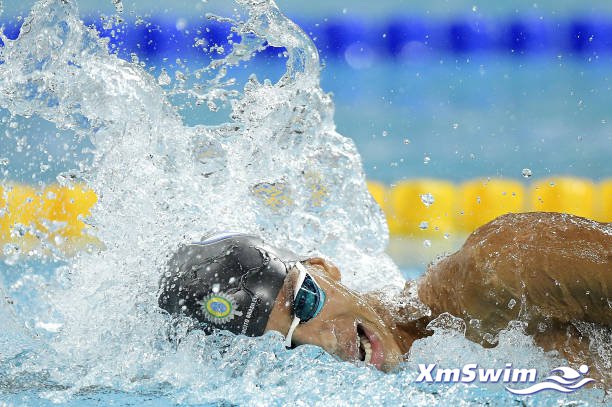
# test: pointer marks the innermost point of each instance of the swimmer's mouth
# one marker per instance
(370, 347)
(365, 347)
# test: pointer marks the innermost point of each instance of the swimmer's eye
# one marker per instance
(308, 300)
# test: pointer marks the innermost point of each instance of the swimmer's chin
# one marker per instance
(392, 366)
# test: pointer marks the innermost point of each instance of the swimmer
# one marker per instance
(551, 271)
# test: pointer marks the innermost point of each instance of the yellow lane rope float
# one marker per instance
(431, 208)
(52, 218)
(45, 219)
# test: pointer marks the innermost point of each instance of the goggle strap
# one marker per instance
(301, 278)
(294, 324)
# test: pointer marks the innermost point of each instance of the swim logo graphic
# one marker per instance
(219, 308)
(568, 381)
(562, 379)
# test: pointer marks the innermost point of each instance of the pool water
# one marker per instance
(87, 329)
(228, 370)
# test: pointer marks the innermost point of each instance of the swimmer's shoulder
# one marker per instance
(539, 229)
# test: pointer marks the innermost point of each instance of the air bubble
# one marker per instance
(526, 173)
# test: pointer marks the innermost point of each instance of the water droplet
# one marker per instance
(426, 160)
(10, 249)
(118, 6)
(384, 133)
(4, 161)
(406, 141)
(181, 24)
(427, 199)
(164, 79)
(455, 126)
(490, 338)
(179, 76)
(423, 225)
(526, 173)
(446, 236)
(426, 243)
(511, 303)
(216, 287)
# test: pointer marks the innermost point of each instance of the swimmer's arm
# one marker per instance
(530, 267)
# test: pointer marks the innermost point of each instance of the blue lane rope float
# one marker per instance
(393, 37)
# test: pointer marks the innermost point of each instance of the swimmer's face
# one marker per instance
(345, 325)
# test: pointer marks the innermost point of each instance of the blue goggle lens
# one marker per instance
(309, 300)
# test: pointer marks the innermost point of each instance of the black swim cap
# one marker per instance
(227, 281)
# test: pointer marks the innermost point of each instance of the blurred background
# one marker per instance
(461, 110)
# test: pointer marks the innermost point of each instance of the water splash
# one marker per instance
(277, 168)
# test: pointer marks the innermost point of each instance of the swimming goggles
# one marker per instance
(308, 300)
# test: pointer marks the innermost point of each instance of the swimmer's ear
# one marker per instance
(329, 267)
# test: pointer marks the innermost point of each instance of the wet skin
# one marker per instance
(557, 269)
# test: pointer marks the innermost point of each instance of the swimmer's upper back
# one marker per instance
(530, 267)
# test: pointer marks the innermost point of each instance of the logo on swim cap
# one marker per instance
(219, 308)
